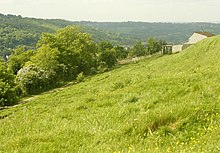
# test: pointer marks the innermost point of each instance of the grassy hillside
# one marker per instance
(160, 104)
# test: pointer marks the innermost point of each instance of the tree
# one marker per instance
(59, 57)
(104, 45)
(138, 50)
(33, 79)
(19, 57)
(9, 92)
(153, 46)
(107, 54)
(46, 58)
(77, 50)
(42, 72)
(121, 52)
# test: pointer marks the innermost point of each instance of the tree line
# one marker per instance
(66, 55)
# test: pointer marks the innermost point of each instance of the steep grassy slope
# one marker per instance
(161, 104)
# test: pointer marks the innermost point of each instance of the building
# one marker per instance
(167, 49)
(177, 48)
(196, 37)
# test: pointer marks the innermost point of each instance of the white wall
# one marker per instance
(177, 48)
(196, 38)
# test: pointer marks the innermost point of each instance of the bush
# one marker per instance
(9, 94)
(80, 77)
(93, 71)
(32, 79)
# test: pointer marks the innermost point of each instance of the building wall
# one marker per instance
(177, 48)
(196, 38)
(186, 46)
(167, 49)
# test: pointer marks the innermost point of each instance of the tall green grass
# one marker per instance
(161, 104)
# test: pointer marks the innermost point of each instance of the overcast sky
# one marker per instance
(116, 10)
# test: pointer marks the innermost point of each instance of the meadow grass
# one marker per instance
(160, 104)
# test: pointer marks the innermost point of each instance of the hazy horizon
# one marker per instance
(168, 11)
(217, 22)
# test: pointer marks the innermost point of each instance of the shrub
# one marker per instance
(9, 94)
(80, 77)
(32, 79)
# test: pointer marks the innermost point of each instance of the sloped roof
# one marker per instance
(207, 34)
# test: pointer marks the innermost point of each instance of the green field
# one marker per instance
(160, 104)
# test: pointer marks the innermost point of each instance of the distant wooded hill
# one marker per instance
(17, 30)
(171, 32)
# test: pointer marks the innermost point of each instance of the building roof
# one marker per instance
(207, 34)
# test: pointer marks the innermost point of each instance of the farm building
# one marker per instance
(196, 37)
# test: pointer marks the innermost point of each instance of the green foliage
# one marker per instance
(80, 77)
(107, 54)
(59, 57)
(77, 50)
(104, 45)
(34, 79)
(153, 46)
(9, 93)
(121, 52)
(18, 59)
(42, 72)
(46, 58)
(16, 30)
(138, 50)
(12, 37)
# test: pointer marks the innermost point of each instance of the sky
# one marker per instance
(116, 10)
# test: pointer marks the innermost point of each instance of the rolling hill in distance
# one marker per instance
(16, 30)
(160, 104)
(171, 32)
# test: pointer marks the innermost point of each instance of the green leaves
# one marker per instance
(8, 89)
(46, 58)
(138, 50)
(121, 52)
(154, 45)
(76, 49)
(107, 54)
(59, 57)
(18, 59)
